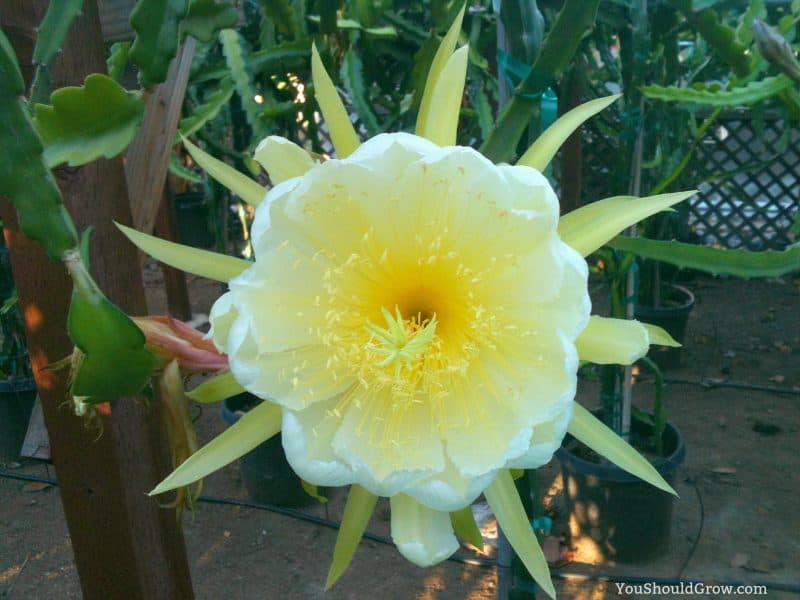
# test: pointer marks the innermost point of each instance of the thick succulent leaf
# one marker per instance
(443, 54)
(612, 341)
(216, 389)
(353, 80)
(547, 144)
(504, 501)
(755, 91)
(218, 267)
(24, 178)
(441, 124)
(719, 261)
(117, 59)
(357, 513)
(89, 122)
(592, 432)
(343, 134)
(466, 528)
(248, 190)
(53, 29)
(206, 17)
(275, 59)
(280, 12)
(589, 227)
(157, 25)
(255, 427)
(353, 25)
(116, 362)
(209, 109)
(234, 47)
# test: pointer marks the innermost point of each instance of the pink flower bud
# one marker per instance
(170, 339)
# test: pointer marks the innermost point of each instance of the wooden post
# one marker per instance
(125, 546)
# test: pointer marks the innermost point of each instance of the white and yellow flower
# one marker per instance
(414, 318)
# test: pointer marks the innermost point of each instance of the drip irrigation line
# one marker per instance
(486, 563)
(708, 383)
(699, 533)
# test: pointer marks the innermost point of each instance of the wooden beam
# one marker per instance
(125, 546)
(178, 304)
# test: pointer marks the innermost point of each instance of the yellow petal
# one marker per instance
(437, 66)
(218, 267)
(216, 389)
(612, 341)
(466, 528)
(357, 513)
(547, 144)
(504, 501)
(254, 427)
(442, 122)
(659, 337)
(590, 431)
(343, 135)
(589, 227)
(248, 190)
(282, 159)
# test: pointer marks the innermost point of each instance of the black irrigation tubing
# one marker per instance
(489, 563)
(709, 383)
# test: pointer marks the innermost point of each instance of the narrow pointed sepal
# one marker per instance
(240, 184)
(216, 389)
(441, 58)
(253, 428)
(466, 528)
(423, 535)
(212, 265)
(504, 501)
(441, 125)
(547, 144)
(592, 432)
(282, 159)
(357, 513)
(587, 228)
(612, 341)
(343, 134)
(659, 337)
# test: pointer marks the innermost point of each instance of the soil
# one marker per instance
(736, 400)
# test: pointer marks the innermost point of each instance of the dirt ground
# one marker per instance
(736, 400)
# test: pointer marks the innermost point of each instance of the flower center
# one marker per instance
(403, 342)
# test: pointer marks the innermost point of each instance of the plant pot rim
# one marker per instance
(685, 306)
(608, 471)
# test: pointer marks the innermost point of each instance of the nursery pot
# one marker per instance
(16, 403)
(191, 218)
(629, 520)
(672, 316)
(265, 471)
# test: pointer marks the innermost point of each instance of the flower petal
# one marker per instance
(612, 341)
(343, 134)
(466, 528)
(240, 184)
(216, 389)
(589, 227)
(282, 159)
(660, 337)
(222, 317)
(254, 427)
(547, 144)
(441, 123)
(546, 439)
(218, 267)
(423, 535)
(591, 431)
(504, 501)
(357, 512)
(449, 490)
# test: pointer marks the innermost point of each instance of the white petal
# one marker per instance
(423, 535)
(612, 341)
(392, 151)
(222, 316)
(545, 440)
(282, 159)
(450, 490)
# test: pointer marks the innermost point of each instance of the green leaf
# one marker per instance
(280, 12)
(353, 25)
(85, 123)
(590, 431)
(357, 513)
(255, 427)
(53, 29)
(209, 109)
(157, 24)
(116, 362)
(466, 528)
(753, 92)
(313, 491)
(24, 178)
(117, 59)
(177, 168)
(327, 15)
(216, 389)
(235, 50)
(353, 80)
(719, 261)
(205, 18)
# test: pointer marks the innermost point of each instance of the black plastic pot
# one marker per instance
(672, 317)
(265, 471)
(628, 519)
(191, 219)
(16, 403)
